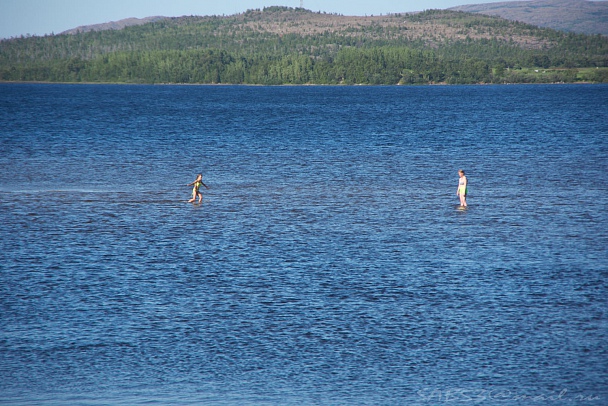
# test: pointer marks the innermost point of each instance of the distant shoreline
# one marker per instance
(295, 85)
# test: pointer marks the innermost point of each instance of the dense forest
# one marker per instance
(280, 45)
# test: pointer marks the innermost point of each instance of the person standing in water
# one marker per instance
(195, 190)
(462, 188)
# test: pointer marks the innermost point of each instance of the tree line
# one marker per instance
(213, 50)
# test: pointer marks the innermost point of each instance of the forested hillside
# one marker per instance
(279, 45)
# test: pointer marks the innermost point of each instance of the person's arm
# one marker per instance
(204, 185)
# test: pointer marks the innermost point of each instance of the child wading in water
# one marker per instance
(462, 188)
(195, 192)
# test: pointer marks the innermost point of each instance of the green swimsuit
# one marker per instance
(462, 189)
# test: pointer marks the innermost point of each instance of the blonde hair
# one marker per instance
(461, 171)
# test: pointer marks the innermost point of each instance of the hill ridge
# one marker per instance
(580, 16)
(283, 45)
(113, 25)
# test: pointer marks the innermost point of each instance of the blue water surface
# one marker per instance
(329, 263)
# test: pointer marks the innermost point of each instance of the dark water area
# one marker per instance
(329, 263)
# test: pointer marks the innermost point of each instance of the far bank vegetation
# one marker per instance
(279, 45)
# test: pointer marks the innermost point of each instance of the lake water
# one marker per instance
(329, 263)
